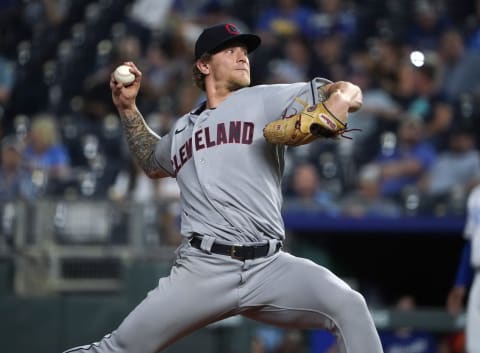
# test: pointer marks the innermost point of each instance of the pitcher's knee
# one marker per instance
(357, 298)
(352, 305)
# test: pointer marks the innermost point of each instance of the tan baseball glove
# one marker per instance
(313, 122)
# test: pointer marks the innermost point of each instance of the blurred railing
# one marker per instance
(82, 245)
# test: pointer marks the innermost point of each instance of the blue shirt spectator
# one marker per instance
(53, 156)
(406, 339)
(307, 193)
(410, 342)
(423, 154)
(411, 157)
(44, 149)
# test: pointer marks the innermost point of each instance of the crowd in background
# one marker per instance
(416, 61)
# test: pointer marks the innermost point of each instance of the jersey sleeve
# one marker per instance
(162, 153)
(472, 224)
(279, 100)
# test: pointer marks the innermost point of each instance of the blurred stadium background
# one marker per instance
(84, 234)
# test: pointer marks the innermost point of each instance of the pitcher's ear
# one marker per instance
(203, 67)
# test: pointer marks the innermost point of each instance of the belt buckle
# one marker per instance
(233, 251)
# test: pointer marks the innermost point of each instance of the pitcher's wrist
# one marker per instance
(128, 113)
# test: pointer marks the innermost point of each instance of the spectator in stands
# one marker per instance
(266, 339)
(405, 160)
(403, 85)
(15, 180)
(12, 28)
(387, 59)
(456, 170)
(329, 57)
(292, 342)
(431, 104)
(378, 110)
(406, 339)
(293, 65)
(307, 193)
(217, 11)
(7, 81)
(134, 186)
(160, 74)
(43, 14)
(45, 155)
(283, 19)
(275, 340)
(93, 139)
(453, 342)
(472, 26)
(428, 22)
(145, 17)
(334, 16)
(366, 200)
(9, 11)
(189, 10)
(460, 69)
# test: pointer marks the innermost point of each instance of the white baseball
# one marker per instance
(123, 75)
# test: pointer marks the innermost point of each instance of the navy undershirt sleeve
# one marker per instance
(465, 271)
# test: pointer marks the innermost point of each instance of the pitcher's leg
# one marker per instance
(196, 293)
(297, 293)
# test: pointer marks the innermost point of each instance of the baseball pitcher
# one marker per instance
(468, 273)
(227, 156)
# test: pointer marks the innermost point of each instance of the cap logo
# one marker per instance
(231, 29)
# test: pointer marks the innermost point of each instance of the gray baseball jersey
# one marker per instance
(472, 232)
(228, 175)
(230, 179)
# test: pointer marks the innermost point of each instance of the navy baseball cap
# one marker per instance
(213, 38)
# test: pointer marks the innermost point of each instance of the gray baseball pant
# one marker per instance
(279, 289)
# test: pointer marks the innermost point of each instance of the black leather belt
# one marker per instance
(239, 252)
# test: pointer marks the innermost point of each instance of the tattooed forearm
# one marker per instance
(141, 141)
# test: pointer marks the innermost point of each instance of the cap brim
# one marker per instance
(251, 41)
